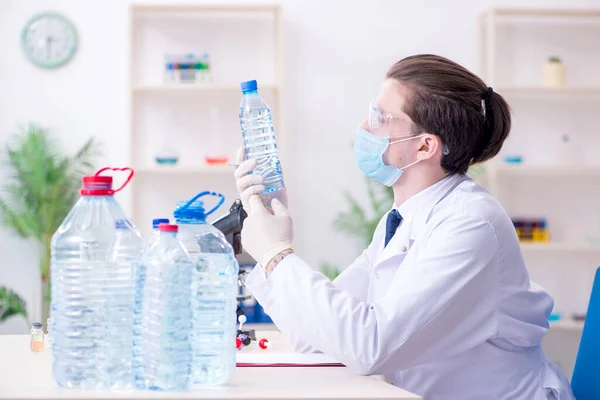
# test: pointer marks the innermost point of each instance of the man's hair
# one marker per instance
(449, 101)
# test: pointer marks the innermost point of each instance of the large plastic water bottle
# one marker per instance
(259, 138)
(164, 339)
(92, 297)
(214, 290)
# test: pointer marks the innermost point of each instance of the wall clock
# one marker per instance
(49, 40)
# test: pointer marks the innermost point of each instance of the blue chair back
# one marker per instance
(586, 374)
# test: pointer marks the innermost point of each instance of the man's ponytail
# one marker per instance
(496, 126)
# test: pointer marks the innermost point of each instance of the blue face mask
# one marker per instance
(368, 153)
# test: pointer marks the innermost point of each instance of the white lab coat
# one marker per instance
(446, 310)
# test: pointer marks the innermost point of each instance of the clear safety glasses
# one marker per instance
(385, 124)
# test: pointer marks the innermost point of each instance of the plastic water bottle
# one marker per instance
(164, 340)
(214, 290)
(155, 231)
(92, 297)
(125, 256)
(259, 139)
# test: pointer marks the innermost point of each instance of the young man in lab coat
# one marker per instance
(440, 302)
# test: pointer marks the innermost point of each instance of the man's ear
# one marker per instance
(430, 144)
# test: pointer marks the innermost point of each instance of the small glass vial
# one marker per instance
(37, 337)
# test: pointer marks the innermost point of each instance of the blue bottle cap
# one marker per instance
(157, 221)
(249, 86)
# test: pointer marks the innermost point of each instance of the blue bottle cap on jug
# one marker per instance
(193, 209)
(249, 86)
(157, 221)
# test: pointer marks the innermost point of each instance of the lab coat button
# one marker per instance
(377, 275)
(403, 249)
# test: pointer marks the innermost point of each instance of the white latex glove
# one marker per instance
(265, 235)
(250, 184)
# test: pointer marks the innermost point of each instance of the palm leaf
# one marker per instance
(329, 270)
(11, 304)
(44, 182)
(359, 222)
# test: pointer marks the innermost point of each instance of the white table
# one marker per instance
(27, 375)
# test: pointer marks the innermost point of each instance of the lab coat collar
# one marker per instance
(432, 196)
(416, 212)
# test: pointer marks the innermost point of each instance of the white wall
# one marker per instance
(337, 53)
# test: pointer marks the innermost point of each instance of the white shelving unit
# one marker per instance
(244, 42)
(567, 325)
(558, 179)
(557, 247)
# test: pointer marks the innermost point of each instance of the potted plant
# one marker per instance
(42, 188)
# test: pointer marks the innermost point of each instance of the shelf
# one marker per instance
(559, 247)
(178, 170)
(548, 91)
(194, 87)
(527, 12)
(567, 325)
(186, 8)
(546, 170)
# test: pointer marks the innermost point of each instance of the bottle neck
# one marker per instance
(168, 234)
(190, 221)
(250, 92)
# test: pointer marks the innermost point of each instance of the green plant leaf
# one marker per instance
(329, 270)
(359, 222)
(44, 182)
(11, 304)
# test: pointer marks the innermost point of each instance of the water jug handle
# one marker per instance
(129, 177)
(201, 194)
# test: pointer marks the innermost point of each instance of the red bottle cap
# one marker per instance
(168, 228)
(96, 185)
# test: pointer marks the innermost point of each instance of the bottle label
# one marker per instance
(37, 337)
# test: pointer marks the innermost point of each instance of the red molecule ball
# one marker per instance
(263, 343)
(238, 343)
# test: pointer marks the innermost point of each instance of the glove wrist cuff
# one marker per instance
(272, 251)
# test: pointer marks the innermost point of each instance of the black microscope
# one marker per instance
(231, 226)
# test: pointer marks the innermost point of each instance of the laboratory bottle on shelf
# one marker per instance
(259, 140)
(215, 154)
(214, 291)
(164, 338)
(92, 298)
(166, 155)
(170, 69)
